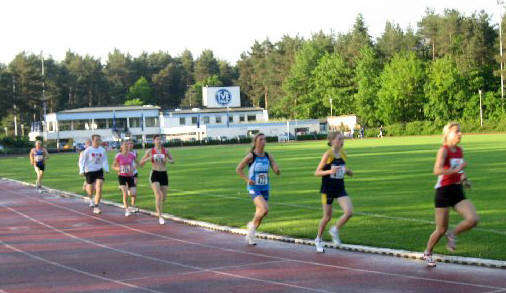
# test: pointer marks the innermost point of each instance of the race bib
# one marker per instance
(261, 179)
(455, 163)
(39, 158)
(341, 170)
(158, 158)
(125, 169)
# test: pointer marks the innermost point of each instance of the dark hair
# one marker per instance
(95, 135)
(254, 140)
(155, 136)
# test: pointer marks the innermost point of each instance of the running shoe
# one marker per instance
(133, 209)
(250, 235)
(451, 245)
(429, 261)
(127, 212)
(335, 235)
(161, 221)
(319, 245)
(96, 210)
(91, 204)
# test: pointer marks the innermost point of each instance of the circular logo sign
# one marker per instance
(223, 97)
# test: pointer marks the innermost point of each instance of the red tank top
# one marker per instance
(452, 160)
(155, 155)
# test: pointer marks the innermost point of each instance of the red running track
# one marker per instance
(54, 244)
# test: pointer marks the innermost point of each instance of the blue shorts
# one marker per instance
(255, 193)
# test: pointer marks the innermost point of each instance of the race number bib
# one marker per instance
(158, 158)
(125, 169)
(341, 170)
(261, 179)
(455, 163)
(39, 158)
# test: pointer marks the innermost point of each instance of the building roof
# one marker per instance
(216, 110)
(109, 109)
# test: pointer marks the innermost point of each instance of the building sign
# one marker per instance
(221, 97)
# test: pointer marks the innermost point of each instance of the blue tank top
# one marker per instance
(38, 156)
(259, 172)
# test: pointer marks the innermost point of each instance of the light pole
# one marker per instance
(501, 3)
(481, 111)
(330, 107)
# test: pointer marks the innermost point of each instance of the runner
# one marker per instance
(133, 192)
(38, 157)
(92, 164)
(159, 179)
(87, 144)
(124, 164)
(257, 181)
(449, 168)
(332, 169)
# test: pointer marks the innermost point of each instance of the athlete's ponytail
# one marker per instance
(446, 130)
(254, 140)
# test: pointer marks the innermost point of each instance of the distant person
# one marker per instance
(159, 179)
(362, 132)
(133, 196)
(87, 144)
(257, 181)
(124, 165)
(380, 135)
(38, 158)
(92, 165)
(449, 168)
(332, 168)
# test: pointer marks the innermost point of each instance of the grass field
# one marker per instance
(392, 190)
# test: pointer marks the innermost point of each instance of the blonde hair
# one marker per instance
(446, 130)
(333, 135)
(254, 140)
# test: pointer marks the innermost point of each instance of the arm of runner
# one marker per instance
(105, 163)
(349, 172)
(146, 157)
(82, 161)
(319, 170)
(46, 154)
(170, 159)
(240, 169)
(31, 157)
(274, 165)
(115, 164)
(439, 165)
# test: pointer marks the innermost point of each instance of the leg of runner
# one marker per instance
(98, 195)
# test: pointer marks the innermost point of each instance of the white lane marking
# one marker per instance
(260, 254)
(160, 260)
(76, 270)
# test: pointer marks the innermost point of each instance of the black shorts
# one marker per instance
(126, 180)
(40, 166)
(329, 198)
(135, 175)
(160, 177)
(449, 196)
(91, 177)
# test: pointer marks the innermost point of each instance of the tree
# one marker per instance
(349, 45)
(366, 77)
(206, 65)
(400, 97)
(134, 102)
(194, 94)
(141, 90)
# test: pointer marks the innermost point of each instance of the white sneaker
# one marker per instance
(161, 221)
(250, 236)
(319, 245)
(429, 261)
(127, 212)
(133, 209)
(96, 210)
(335, 235)
(91, 204)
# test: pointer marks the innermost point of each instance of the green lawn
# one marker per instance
(392, 190)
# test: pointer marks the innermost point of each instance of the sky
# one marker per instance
(228, 27)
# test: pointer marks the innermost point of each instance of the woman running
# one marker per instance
(92, 164)
(133, 192)
(38, 157)
(159, 157)
(332, 169)
(124, 164)
(257, 181)
(87, 144)
(449, 168)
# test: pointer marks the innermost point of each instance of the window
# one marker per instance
(182, 121)
(230, 119)
(82, 124)
(100, 123)
(206, 120)
(64, 125)
(241, 118)
(120, 123)
(194, 120)
(135, 122)
(218, 119)
(252, 117)
(50, 126)
(152, 122)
